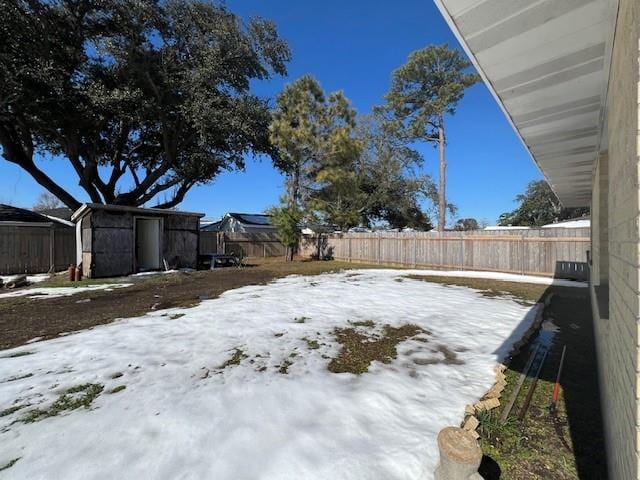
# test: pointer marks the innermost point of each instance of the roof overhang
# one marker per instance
(546, 62)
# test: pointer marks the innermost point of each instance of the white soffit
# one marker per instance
(546, 62)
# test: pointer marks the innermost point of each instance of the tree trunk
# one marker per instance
(442, 198)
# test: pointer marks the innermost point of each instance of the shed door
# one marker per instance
(148, 243)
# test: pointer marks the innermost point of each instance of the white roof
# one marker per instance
(547, 65)
(575, 223)
(500, 227)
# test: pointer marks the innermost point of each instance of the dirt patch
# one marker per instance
(22, 319)
(359, 350)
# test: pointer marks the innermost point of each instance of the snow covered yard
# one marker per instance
(244, 386)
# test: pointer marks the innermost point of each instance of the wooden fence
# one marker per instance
(36, 249)
(560, 252)
(249, 244)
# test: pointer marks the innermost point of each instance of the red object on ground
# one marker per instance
(556, 392)
(72, 273)
(556, 387)
(78, 274)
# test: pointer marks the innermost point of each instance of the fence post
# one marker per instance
(52, 249)
(379, 241)
(522, 254)
(462, 235)
(415, 249)
(349, 257)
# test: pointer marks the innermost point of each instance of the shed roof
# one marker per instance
(87, 207)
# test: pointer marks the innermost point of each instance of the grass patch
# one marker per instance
(312, 344)
(176, 316)
(9, 464)
(524, 292)
(236, 358)
(8, 411)
(363, 323)
(301, 319)
(284, 366)
(359, 350)
(117, 389)
(73, 398)
(56, 281)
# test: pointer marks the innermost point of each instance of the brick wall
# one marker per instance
(617, 336)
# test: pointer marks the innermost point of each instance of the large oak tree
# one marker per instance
(142, 99)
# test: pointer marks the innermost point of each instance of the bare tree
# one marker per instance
(47, 201)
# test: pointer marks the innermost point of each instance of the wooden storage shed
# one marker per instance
(116, 240)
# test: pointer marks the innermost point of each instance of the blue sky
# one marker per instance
(352, 46)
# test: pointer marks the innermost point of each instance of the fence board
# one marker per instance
(27, 249)
(249, 244)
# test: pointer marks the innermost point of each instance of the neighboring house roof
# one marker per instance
(582, 222)
(210, 226)
(252, 218)
(15, 215)
(259, 221)
(63, 213)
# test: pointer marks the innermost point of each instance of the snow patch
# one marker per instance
(505, 277)
(53, 292)
(205, 396)
(37, 278)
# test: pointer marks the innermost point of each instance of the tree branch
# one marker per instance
(14, 152)
(178, 196)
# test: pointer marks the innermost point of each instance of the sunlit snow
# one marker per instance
(183, 416)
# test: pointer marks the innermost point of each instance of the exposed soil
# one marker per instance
(22, 319)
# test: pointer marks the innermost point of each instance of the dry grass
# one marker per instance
(360, 349)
